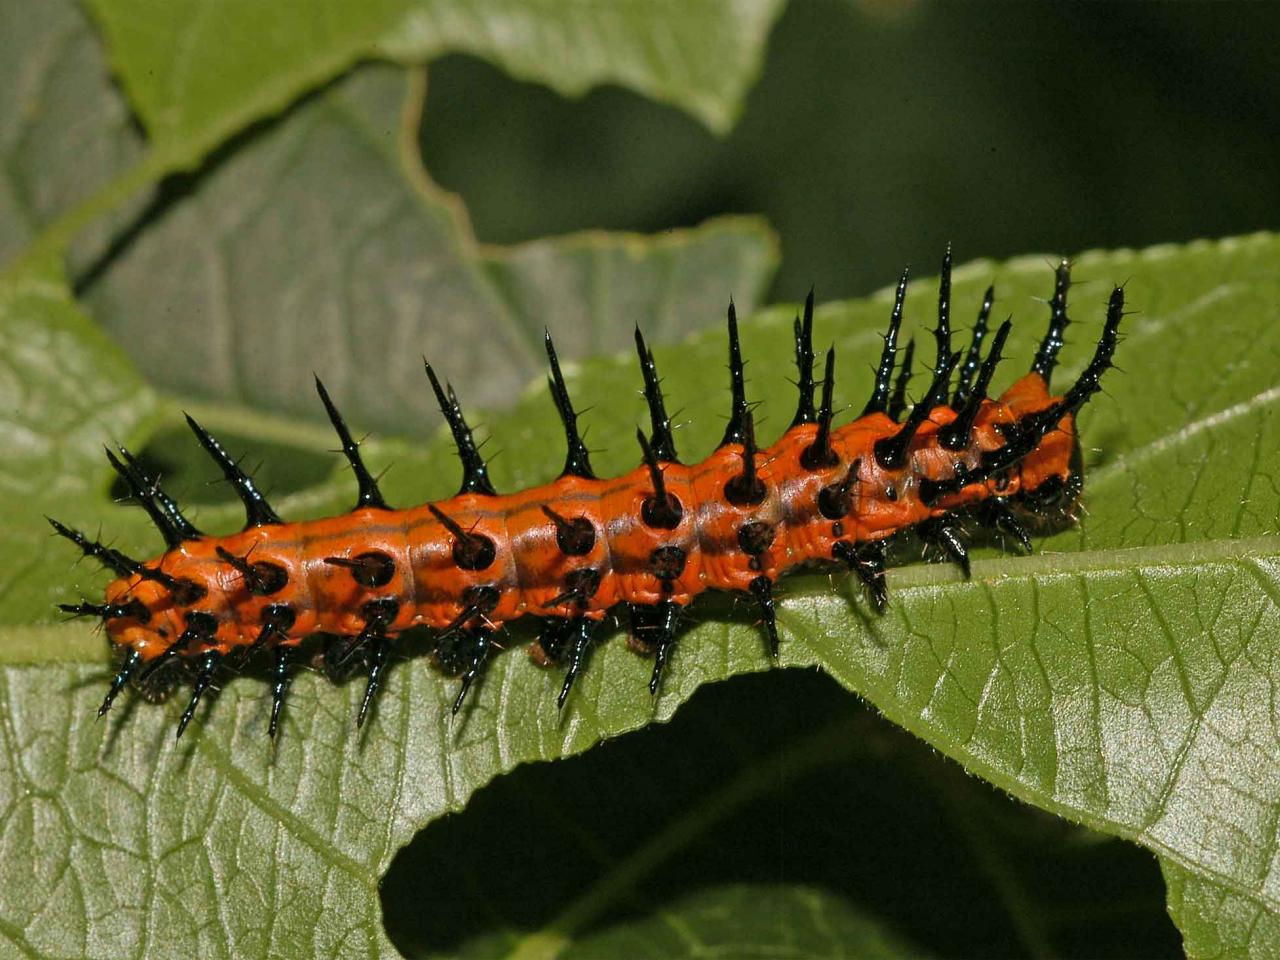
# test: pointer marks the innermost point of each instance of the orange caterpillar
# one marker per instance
(572, 550)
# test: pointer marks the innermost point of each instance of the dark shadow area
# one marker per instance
(947, 861)
(879, 131)
(191, 477)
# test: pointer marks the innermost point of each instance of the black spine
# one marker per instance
(746, 488)
(368, 495)
(576, 536)
(579, 632)
(1021, 439)
(891, 452)
(204, 678)
(1090, 380)
(134, 609)
(819, 453)
(186, 530)
(955, 435)
(738, 413)
(762, 590)
(471, 551)
(145, 497)
(805, 412)
(944, 535)
(662, 442)
(478, 643)
(898, 403)
(379, 615)
(662, 510)
(276, 621)
(475, 474)
(279, 687)
(867, 561)
(942, 332)
(879, 402)
(113, 560)
(1047, 356)
(577, 462)
(661, 622)
(973, 358)
(257, 511)
(261, 578)
(132, 660)
(200, 627)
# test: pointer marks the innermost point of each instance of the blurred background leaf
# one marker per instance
(881, 129)
(64, 130)
(198, 72)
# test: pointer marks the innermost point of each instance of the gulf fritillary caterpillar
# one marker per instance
(572, 550)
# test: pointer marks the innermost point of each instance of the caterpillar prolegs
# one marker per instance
(572, 551)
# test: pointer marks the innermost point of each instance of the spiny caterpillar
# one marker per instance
(572, 550)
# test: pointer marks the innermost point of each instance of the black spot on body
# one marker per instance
(755, 537)
(373, 568)
(474, 552)
(742, 491)
(575, 536)
(834, 501)
(662, 514)
(668, 562)
(578, 538)
(580, 585)
(279, 616)
(271, 578)
(483, 597)
(381, 611)
(186, 592)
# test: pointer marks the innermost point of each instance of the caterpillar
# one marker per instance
(571, 551)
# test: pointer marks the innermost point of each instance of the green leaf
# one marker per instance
(1219, 922)
(65, 390)
(197, 72)
(744, 920)
(275, 274)
(1114, 678)
(778, 778)
(64, 130)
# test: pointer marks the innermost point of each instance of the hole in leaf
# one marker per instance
(876, 821)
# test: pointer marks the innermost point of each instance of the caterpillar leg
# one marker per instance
(208, 667)
(653, 628)
(465, 651)
(762, 590)
(128, 668)
(565, 639)
(867, 561)
(377, 661)
(997, 516)
(280, 664)
(944, 533)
